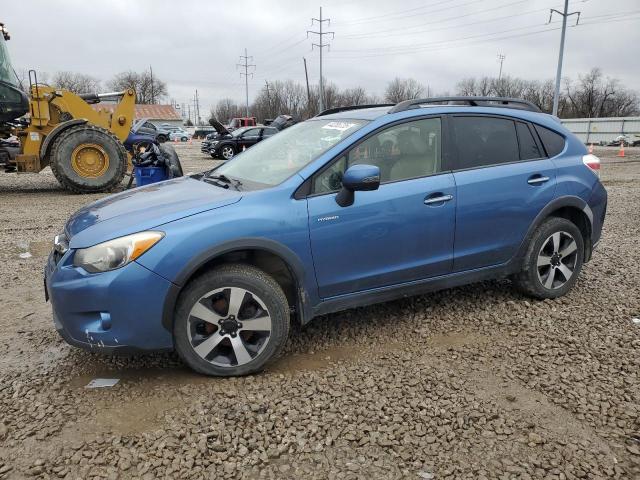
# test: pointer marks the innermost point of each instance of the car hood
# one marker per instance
(219, 127)
(144, 208)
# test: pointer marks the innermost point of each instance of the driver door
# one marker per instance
(392, 235)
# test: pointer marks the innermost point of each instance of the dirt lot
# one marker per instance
(477, 382)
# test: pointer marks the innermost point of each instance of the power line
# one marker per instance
(321, 46)
(397, 31)
(246, 74)
(435, 47)
(564, 15)
(415, 47)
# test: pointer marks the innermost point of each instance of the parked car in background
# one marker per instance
(179, 135)
(226, 146)
(143, 130)
(283, 121)
(202, 131)
(352, 207)
(241, 122)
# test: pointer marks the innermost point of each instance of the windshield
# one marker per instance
(275, 159)
(7, 74)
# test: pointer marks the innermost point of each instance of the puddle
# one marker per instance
(144, 377)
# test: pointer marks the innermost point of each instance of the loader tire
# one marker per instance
(88, 159)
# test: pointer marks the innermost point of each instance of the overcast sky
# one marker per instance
(196, 44)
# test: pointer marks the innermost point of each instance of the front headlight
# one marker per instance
(115, 253)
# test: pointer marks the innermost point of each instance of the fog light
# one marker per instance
(105, 320)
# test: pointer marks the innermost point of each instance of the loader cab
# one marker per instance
(13, 101)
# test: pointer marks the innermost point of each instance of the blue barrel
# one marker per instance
(147, 175)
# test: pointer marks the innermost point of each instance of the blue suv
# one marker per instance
(355, 206)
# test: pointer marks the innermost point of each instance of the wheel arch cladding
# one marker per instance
(574, 209)
(271, 257)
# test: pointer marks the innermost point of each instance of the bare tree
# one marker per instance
(226, 109)
(75, 82)
(403, 89)
(147, 90)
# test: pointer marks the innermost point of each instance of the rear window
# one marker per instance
(528, 146)
(485, 141)
(552, 141)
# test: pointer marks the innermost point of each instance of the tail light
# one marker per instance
(593, 163)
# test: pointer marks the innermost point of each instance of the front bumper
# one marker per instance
(111, 312)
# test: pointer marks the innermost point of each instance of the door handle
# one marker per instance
(437, 199)
(537, 180)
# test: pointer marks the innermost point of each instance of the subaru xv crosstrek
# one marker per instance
(352, 207)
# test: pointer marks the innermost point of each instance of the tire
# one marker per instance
(227, 152)
(173, 162)
(162, 138)
(217, 338)
(88, 159)
(543, 280)
(184, 139)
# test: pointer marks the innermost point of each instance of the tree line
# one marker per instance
(591, 95)
(148, 88)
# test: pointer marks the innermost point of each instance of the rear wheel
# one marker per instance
(553, 260)
(162, 138)
(231, 321)
(88, 159)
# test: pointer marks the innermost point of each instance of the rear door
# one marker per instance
(503, 181)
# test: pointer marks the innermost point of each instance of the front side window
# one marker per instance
(483, 141)
(275, 159)
(408, 150)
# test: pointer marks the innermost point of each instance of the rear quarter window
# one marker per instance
(553, 142)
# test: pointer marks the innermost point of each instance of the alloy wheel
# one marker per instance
(557, 260)
(227, 152)
(229, 327)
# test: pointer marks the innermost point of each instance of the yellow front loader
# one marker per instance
(57, 128)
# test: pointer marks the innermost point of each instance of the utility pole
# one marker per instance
(196, 112)
(306, 76)
(268, 97)
(320, 46)
(501, 58)
(153, 100)
(565, 15)
(246, 74)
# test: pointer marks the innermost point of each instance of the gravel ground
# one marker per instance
(476, 382)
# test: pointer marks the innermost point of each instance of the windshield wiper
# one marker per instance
(226, 180)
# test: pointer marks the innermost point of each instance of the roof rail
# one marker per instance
(502, 102)
(329, 111)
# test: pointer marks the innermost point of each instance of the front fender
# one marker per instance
(48, 141)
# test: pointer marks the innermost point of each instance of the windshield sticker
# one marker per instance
(340, 126)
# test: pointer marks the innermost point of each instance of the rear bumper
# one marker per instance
(598, 204)
(111, 312)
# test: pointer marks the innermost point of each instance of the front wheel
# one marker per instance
(553, 260)
(227, 152)
(231, 321)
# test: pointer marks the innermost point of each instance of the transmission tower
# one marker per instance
(246, 65)
(321, 46)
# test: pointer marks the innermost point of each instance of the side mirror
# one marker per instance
(357, 178)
